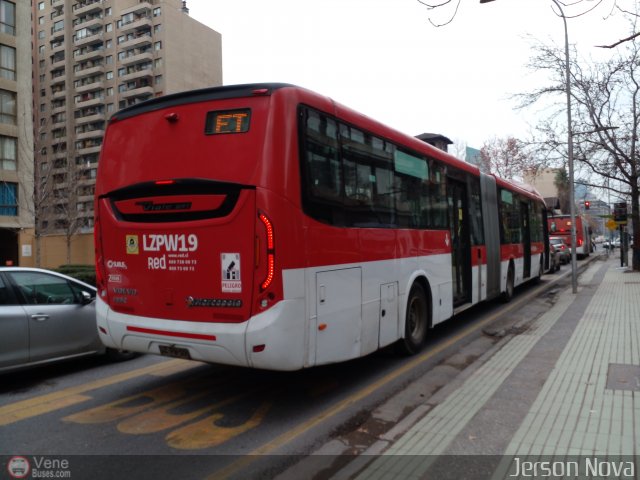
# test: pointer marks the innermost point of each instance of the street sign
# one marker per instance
(611, 224)
(620, 213)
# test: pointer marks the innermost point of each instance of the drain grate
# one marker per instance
(623, 377)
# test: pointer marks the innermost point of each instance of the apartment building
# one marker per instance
(16, 133)
(92, 58)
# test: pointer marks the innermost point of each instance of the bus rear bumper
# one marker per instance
(272, 340)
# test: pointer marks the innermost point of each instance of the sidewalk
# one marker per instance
(567, 389)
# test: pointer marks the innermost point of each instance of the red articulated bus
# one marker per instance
(560, 226)
(268, 226)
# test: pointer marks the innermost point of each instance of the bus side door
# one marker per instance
(339, 315)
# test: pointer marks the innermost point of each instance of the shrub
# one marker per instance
(84, 273)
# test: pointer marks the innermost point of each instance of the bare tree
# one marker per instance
(508, 158)
(606, 120)
(573, 9)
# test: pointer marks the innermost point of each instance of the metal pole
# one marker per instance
(572, 207)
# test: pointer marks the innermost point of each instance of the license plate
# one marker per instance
(177, 352)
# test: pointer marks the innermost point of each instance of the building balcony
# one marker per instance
(138, 8)
(144, 73)
(57, 47)
(87, 150)
(141, 23)
(60, 109)
(57, 36)
(90, 102)
(59, 94)
(88, 6)
(91, 134)
(144, 39)
(57, 80)
(137, 58)
(89, 39)
(89, 71)
(92, 22)
(135, 92)
(90, 87)
(90, 55)
(57, 63)
(96, 117)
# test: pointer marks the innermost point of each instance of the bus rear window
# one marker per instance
(227, 121)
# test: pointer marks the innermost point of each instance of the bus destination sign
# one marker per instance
(227, 121)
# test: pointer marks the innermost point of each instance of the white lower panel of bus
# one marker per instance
(329, 314)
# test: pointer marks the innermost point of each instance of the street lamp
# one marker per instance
(572, 207)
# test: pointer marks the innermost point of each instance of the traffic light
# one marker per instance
(587, 204)
(620, 212)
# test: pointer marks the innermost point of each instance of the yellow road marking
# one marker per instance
(32, 407)
(290, 435)
(206, 434)
(128, 406)
(160, 419)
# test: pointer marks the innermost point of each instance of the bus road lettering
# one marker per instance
(170, 242)
(157, 263)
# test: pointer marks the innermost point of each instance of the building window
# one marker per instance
(157, 28)
(41, 35)
(109, 91)
(156, 11)
(41, 49)
(7, 62)
(158, 79)
(40, 5)
(109, 75)
(8, 153)
(8, 107)
(108, 60)
(107, 11)
(108, 27)
(40, 20)
(9, 199)
(157, 45)
(7, 17)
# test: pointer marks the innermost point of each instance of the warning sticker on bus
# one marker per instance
(230, 263)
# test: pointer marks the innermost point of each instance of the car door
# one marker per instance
(60, 322)
(14, 328)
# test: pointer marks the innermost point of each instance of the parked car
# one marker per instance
(563, 248)
(554, 258)
(45, 317)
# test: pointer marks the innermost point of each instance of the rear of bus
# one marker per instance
(190, 197)
(560, 226)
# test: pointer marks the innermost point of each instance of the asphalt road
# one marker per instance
(153, 416)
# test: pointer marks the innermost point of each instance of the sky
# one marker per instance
(385, 59)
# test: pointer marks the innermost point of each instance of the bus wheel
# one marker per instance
(507, 295)
(539, 277)
(416, 323)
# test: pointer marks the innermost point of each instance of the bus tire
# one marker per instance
(507, 295)
(416, 321)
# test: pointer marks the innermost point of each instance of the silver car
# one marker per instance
(46, 316)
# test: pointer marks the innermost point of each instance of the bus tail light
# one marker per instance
(271, 257)
(101, 280)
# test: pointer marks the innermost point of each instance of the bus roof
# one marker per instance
(200, 95)
(344, 112)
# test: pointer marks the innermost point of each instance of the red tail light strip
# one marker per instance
(271, 258)
(153, 331)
